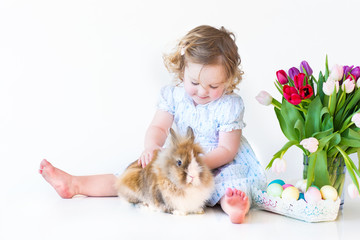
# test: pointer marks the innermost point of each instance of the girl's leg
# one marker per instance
(236, 204)
(67, 185)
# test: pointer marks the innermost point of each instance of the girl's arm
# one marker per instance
(156, 135)
(229, 143)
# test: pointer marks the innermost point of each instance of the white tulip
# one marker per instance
(336, 73)
(356, 119)
(353, 191)
(329, 85)
(311, 144)
(348, 85)
(279, 165)
(264, 98)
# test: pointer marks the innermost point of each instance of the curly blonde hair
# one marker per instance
(207, 45)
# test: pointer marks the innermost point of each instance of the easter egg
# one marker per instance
(287, 185)
(312, 195)
(274, 190)
(279, 181)
(315, 187)
(301, 196)
(328, 192)
(290, 193)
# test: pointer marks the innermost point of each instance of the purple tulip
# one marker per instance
(293, 72)
(305, 65)
(347, 70)
(356, 72)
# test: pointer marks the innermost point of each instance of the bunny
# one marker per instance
(175, 181)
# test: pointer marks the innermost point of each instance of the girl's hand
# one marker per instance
(146, 157)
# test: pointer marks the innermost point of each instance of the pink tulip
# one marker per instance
(299, 80)
(353, 191)
(279, 165)
(311, 144)
(291, 95)
(282, 77)
(356, 119)
(264, 98)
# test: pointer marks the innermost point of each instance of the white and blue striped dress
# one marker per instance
(224, 114)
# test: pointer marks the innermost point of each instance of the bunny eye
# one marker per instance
(178, 163)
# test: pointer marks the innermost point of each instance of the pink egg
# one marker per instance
(312, 195)
(287, 185)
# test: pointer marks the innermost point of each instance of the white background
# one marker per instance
(79, 80)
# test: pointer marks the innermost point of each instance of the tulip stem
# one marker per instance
(276, 103)
(301, 108)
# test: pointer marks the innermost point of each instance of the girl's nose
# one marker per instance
(202, 91)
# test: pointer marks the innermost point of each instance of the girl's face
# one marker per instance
(204, 83)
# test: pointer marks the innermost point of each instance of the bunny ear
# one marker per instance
(174, 137)
(190, 134)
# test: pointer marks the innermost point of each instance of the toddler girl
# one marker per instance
(206, 65)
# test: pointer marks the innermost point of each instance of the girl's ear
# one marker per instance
(190, 134)
(174, 137)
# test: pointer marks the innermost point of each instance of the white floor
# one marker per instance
(39, 213)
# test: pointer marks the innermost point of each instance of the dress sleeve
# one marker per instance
(166, 100)
(231, 116)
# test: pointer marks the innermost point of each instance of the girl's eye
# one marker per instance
(194, 83)
(178, 163)
(214, 87)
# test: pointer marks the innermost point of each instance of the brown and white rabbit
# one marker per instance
(175, 181)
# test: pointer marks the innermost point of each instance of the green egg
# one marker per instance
(274, 189)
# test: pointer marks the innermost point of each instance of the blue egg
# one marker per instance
(301, 196)
(278, 181)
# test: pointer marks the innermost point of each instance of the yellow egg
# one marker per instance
(328, 192)
(290, 193)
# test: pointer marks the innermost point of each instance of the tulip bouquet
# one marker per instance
(321, 117)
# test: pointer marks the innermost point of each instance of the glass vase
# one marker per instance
(336, 170)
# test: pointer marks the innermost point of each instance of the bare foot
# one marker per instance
(236, 204)
(61, 181)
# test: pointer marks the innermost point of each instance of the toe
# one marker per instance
(44, 163)
(229, 192)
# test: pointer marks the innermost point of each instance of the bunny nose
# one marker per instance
(192, 178)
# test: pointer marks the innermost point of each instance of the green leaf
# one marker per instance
(352, 150)
(338, 118)
(311, 170)
(321, 171)
(350, 142)
(350, 138)
(354, 101)
(290, 115)
(327, 123)
(334, 141)
(350, 168)
(358, 155)
(332, 103)
(323, 134)
(319, 88)
(324, 140)
(326, 68)
(299, 126)
(291, 135)
(313, 120)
